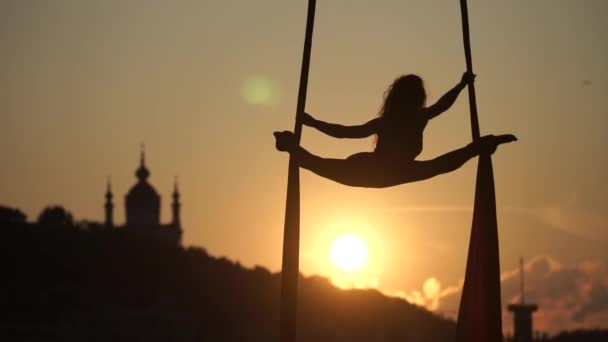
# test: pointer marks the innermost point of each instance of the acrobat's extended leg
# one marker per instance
(369, 170)
(455, 159)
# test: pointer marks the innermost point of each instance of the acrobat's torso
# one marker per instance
(401, 137)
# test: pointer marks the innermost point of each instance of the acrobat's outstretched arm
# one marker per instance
(340, 131)
(447, 100)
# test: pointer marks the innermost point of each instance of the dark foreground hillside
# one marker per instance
(67, 284)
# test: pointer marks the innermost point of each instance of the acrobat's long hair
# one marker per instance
(405, 96)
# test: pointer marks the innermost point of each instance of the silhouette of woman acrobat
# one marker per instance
(399, 129)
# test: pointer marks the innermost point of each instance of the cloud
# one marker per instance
(431, 290)
(414, 297)
(430, 295)
(598, 302)
(572, 214)
(568, 296)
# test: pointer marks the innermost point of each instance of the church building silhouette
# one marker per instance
(142, 209)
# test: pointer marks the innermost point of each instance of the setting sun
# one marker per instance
(349, 252)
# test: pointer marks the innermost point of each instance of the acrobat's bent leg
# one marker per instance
(356, 170)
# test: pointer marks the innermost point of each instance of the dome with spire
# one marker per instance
(142, 172)
(142, 201)
(142, 208)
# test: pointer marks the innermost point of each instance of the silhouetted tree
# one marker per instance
(55, 216)
(116, 285)
(581, 336)
(11, 215)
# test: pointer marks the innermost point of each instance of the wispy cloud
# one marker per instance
(568, 296)
(570, 214)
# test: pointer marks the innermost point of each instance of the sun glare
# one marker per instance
(349, 253)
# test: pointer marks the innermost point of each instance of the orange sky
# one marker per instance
(204, 83)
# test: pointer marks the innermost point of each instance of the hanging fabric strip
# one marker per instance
(479, 315)
(291, 232)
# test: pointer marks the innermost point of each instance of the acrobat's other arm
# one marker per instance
(447, 100)
(340, 131)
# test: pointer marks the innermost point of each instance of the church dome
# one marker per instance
(143, 191)
(142, 202)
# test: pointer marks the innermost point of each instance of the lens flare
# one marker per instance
(259, 90)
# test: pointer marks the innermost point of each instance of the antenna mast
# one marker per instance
(521, 276)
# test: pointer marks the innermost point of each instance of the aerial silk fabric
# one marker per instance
(479, 317)
(291, 232)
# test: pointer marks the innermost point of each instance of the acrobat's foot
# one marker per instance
(489, 143)
(285, 141)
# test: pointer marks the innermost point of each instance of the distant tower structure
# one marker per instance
(142, 209)
(109, 206)
(522, 313)
(175, 206)
(142, 202)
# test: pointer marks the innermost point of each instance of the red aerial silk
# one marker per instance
(479, 316)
